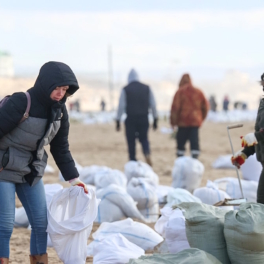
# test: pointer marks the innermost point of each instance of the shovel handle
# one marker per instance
(234, 126)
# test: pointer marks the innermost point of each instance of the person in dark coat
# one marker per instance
(254, 143)
(135, 100)
(23, 157)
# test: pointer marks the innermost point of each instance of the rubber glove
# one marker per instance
(238, 159)
(249, 140)
(78, 182)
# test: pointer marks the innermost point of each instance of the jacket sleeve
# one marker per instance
(59, 148)
(175, 109)
(249, 151)
(122, 105)
(152, 104)
(12, 112)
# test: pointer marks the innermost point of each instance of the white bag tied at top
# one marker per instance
(70, 219)
(187, 173)
(205, 229)
(244, 234)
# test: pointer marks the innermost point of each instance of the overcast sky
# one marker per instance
(159, 38)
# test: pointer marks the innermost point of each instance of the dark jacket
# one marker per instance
(47, 124)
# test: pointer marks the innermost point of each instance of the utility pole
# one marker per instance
(110, 77)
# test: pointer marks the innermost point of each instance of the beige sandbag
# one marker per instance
(187, 256)
(205, 229)
(244, 234)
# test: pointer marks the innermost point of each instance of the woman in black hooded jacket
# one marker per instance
(23, 157)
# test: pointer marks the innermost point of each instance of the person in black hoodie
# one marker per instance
(23, 157)
(135, 100)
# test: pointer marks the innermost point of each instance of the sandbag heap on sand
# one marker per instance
(187, 173)
(205, 229)
(244, 234)
(187, 256)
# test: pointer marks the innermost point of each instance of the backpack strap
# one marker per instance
(26, 114)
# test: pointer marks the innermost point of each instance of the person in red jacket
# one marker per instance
(188, 111)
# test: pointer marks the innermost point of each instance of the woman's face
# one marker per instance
(58, 93)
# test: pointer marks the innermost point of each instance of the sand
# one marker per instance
(102, 145)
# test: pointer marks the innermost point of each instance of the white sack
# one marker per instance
(137, 233)
(107, 176)
(162, 192)
(116, 204)
(187, 173)
(244, 234)
(171, 225)
(49, 169)
(178, 195)
(21, 219)
(187, 256)
(231, 187)
(87, 173)
(251, 169)
(223, 162)
(70, 219)
(115, 249)
(139, 169)
(143, 192)
(50, 190)
(205, 229)
(211, 195)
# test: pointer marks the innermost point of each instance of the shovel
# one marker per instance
(228, 202)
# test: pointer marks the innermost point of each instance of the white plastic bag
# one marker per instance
(115, 249)
(137, 233)
(187, 173)
(70, 219)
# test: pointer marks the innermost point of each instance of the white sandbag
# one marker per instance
(178, 195)
(78, 167)
(87, 173)
(107, 176)
(116, 204)
(21, 219)
(231, 187)
(139, 169)
(244, 234)
(162, 192)
(251, 169)
(115, 249)
(211, 195)
(137, 233)
(143, 192)
(223, 162)
(49, 169)
(187, 256)
(50, 190)
(205, 229)
(187, 173)
(70, 219)
(171, 225)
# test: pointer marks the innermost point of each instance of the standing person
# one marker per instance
(212, 103)
(188, 111)
(24, 158)
(135, 100)
(102, 104)
(254, 143)
(225, 103)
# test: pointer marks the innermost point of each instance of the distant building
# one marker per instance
(6, 65)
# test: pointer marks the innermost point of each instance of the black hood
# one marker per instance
(51, 75)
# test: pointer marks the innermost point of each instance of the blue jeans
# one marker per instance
(34, 202)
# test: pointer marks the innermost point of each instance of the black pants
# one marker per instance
(137, 127)
(260, 192)
(183, 135)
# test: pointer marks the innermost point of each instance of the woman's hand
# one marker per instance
(78, 182)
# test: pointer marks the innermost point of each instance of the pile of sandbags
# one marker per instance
(244, 234)
(171, 226)
(187, 173)
(116, 204)
(143, 192)
(187, 256)
(205, 229)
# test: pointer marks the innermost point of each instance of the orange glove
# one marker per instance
(248, 140)
(238, 159)
(78, 182)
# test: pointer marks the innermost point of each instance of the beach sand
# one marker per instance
(102, 145)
